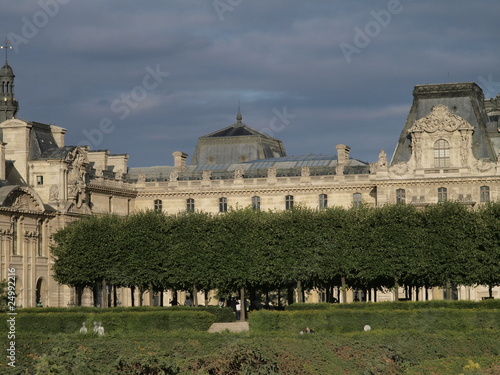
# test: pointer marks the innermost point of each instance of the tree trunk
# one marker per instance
(396, 290)
(344, 289)
(195, 296)
(132, 297)
(174, 298)
(104, 294)
(141, 292)
(206, 297)
(490, 291)
(299, 292)
(242, 304)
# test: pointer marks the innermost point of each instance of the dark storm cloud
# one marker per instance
(149, 78)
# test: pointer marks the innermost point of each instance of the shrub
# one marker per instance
(50, 323)
(221, 315)
(343, 320)
(399, 305)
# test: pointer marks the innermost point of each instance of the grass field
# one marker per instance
(451, 339)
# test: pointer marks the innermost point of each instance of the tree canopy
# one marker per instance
(444, 244)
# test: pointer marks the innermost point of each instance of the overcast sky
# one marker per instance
(148, 78)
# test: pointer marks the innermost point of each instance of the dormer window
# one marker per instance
(441, 154)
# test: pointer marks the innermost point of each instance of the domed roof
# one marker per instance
(6, 71)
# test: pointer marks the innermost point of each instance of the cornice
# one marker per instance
(93, 188)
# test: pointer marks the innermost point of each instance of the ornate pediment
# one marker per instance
(22, 199)
(440, 119)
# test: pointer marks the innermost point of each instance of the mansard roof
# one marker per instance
(465, 100)
(58, 153)
(41, 139)
(236, 143)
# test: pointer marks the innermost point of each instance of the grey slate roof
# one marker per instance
(286, 166)
(465, 100)
(236, 143)
(41, 140)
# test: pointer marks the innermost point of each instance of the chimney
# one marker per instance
(343, 154)
(179, 160)
(58, 134)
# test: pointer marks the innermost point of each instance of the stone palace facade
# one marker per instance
(448, 150)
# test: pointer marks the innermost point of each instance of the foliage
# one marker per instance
(380, 351)
(365, 248)
(86, 251)
(345, 320)
(115, 322)
(400, 305)
(4, 295)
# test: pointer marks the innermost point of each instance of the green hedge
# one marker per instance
(379, 352)
(343, 320)
(221, 315)
(114, 322)
(400, 305)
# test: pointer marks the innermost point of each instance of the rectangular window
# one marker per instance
(256, 203)
(39, 180)
(442, 194)
(289, 202)
(400, 196)
(484, 192)
(357, 200)
(190, 205)
(323, 201)
(158, 205)
(222, 204)
(441, 154)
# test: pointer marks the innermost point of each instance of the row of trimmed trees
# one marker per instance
(360, 248)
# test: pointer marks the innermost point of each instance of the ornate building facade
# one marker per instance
(45, 184)
(448, 150)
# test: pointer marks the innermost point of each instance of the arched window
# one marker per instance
(256, 203)
(441, 154)
(190, 205)
(357, 200)
(289, 202)
(222, 204)
(442, 194)
(484, 194)
(158, 204)
(400, 196)
(323, 201)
